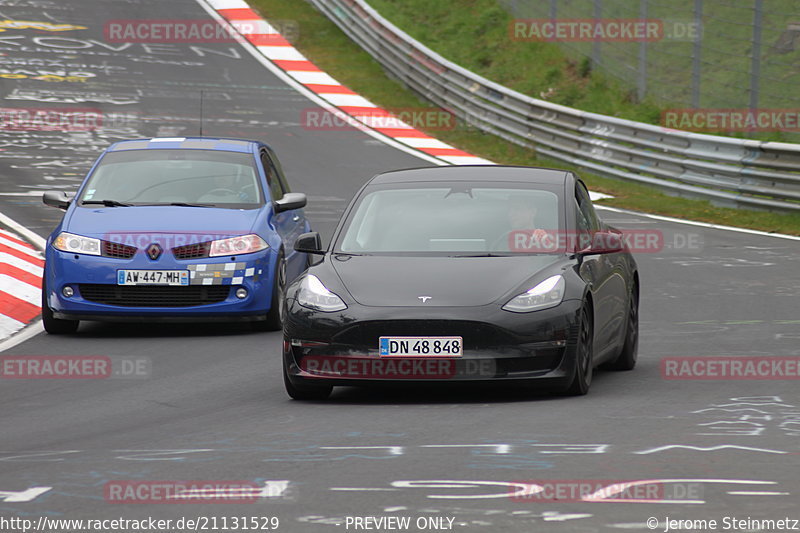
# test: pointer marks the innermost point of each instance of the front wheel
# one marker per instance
(316, 392)
(584, 357)
(52, 325)
(274, 318)
(626, 360)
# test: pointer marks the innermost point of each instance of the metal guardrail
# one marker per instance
(727, 171)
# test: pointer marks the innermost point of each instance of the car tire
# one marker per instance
(274, 318)
(584, 356)
(52, 325)
(626, 360)
(308, 393)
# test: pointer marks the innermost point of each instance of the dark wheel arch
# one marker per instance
(628, 353)
(584, 352)
(53, 325)
(274, 317)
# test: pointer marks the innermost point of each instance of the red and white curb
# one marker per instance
(274, 47)
(20, 283)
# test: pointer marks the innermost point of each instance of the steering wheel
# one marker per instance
(220, 192)
(500, 244)
(248, 193)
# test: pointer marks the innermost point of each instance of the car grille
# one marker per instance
(192, 251)
(154, 296)
(478, 336)
(117, 250)
(475, 334)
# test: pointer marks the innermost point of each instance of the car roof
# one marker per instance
(487, 173)
(187, 143)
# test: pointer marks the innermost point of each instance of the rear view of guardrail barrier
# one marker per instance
(728, 171)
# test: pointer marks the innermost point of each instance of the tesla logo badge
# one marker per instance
(424, 298)
(153, 251)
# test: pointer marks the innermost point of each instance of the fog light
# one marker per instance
(67, 291)
(241, 293)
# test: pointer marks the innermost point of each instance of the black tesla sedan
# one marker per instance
(463, 273)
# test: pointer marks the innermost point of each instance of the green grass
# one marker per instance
(475, 34)
(558, 70)
(322, 42)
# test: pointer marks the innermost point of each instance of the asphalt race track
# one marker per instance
(211, 405)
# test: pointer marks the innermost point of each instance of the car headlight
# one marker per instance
(548, 293)
(314, 295)
(245, 244)
(76, 244)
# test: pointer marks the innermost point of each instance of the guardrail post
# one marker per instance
(598, 13)
(755, 64)
(696, 51)
(641, 89)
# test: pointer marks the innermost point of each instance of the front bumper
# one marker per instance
(211, 293)
(342, 348)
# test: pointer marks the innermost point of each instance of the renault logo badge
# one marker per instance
(154, 251)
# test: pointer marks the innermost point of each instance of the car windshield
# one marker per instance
(450, 220)
(175, 177)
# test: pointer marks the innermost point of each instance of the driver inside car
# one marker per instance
(522, 220)
(227, 189)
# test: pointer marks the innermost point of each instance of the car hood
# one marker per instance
(448, 281)
(102, 222)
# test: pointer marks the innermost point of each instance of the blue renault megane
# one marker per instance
(175, 229)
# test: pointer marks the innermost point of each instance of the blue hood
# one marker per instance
(100, 221)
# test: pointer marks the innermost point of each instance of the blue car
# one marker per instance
(186, 229)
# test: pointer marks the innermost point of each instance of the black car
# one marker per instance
(463, 273)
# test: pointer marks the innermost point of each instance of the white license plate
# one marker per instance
(421, 346)
(153, 277)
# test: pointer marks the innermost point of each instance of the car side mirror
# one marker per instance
(290, 200)
(603, 242)
(309, 243)
(58, 199)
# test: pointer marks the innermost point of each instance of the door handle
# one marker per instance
(295, 218)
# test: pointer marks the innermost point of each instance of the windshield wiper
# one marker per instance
(178, 204)
(484, 254)
(107, 203)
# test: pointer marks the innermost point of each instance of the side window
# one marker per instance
(275, 188)
(587, 219)
(582, 222)
(277, 166)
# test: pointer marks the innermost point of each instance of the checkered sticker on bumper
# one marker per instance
(220, 274)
